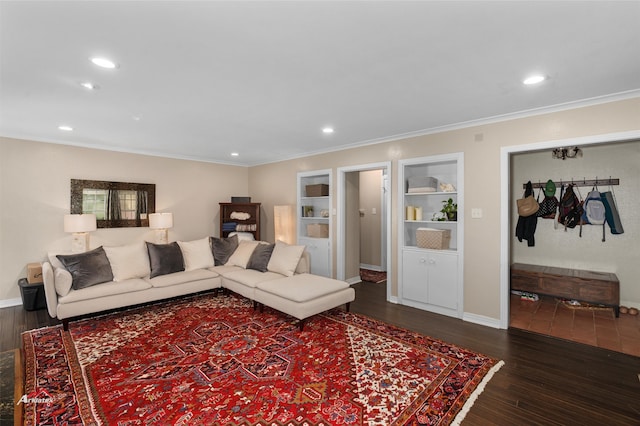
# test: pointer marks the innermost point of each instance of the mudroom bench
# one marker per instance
(576, 284)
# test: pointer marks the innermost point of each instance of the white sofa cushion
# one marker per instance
(197, 254)
(177, 278)
(130, 261)
(242, 254)
(105, 289)
(302, 287)
(225, 269)
(251, 277)
(63, 281)
(285, 258)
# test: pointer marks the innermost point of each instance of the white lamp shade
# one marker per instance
(77, 223)
(161, 220)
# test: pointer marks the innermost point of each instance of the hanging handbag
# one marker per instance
(527, 205)
(548, 207)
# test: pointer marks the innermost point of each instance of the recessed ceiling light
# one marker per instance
(89, 86)
(104, 63)
(534, 79)
(327, 130)
(66, 128)
(234, 154)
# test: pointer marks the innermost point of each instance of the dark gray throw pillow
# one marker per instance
(165, 258)
(260, 257)
(223, 248)
(88, 268)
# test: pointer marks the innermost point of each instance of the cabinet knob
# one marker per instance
(423, 260)
(432, 261)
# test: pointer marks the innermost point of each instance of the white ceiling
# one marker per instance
(263, 78)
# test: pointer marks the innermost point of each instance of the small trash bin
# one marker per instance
(33, 297)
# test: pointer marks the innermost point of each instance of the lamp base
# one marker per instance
(79, 242)
(162, 236)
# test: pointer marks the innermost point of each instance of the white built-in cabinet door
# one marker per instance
(430, 277)
(319, 252)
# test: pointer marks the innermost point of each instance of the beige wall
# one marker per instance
(554, 246)
(370, 223)
(35, 178)
(34, 196)
(482, 179)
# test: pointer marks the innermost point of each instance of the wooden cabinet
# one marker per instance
(431, 279)
(575, 284)
(240, 217)
(314, 219)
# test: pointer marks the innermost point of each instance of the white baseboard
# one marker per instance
(630, 304)
(7, 303)
(353, 280)
(376, 268)
(481, 320)
(394, 299)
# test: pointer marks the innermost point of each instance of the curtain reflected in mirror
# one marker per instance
(115, 204)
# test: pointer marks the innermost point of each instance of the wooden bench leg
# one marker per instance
(301, 324)
(65, 324)
(348, 306)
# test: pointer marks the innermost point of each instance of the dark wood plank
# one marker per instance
(545, 380)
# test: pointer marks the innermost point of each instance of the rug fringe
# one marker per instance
(476, 393)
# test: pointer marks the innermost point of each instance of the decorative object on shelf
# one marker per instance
(318, 230)
(420, 184)
(430, 238)
(284, 224)
(447, 187)
(324, 213)
(564, 153)
(79, 225)
(241, 200)
(240, 216)
(307, 211)
(161, 222)
(317, 190)
(450, 210)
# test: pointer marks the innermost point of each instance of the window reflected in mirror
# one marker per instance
(115, 204)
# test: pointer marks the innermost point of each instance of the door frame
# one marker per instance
(341, 217)
(505, 206)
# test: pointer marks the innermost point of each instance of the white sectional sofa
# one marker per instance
(275, 275)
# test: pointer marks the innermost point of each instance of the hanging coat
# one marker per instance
(526, 226)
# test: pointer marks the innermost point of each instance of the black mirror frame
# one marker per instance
(77, 186)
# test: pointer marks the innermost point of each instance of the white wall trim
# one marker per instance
(481, 320)
(7, 303)
(341, 217)
(505, 188)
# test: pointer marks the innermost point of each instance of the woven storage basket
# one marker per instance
(422, 184)
(318, 230)
(438, 239)
(319, 190)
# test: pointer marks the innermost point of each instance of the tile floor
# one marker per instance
(592, 327)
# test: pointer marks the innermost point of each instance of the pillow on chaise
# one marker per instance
(165, 259)
(131, 261)
(285, 258)
(223, 248)
(260, 257)
(242, 254)
(197, 254)
(88, 268)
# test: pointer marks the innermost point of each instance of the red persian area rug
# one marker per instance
(209, 360)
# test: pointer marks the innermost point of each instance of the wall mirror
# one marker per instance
(115, 204)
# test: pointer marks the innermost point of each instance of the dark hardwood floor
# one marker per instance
(545, 380)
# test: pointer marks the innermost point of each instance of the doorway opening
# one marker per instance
(550, 314)
(364, 221)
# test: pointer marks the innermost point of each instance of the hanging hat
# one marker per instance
(550, 188)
